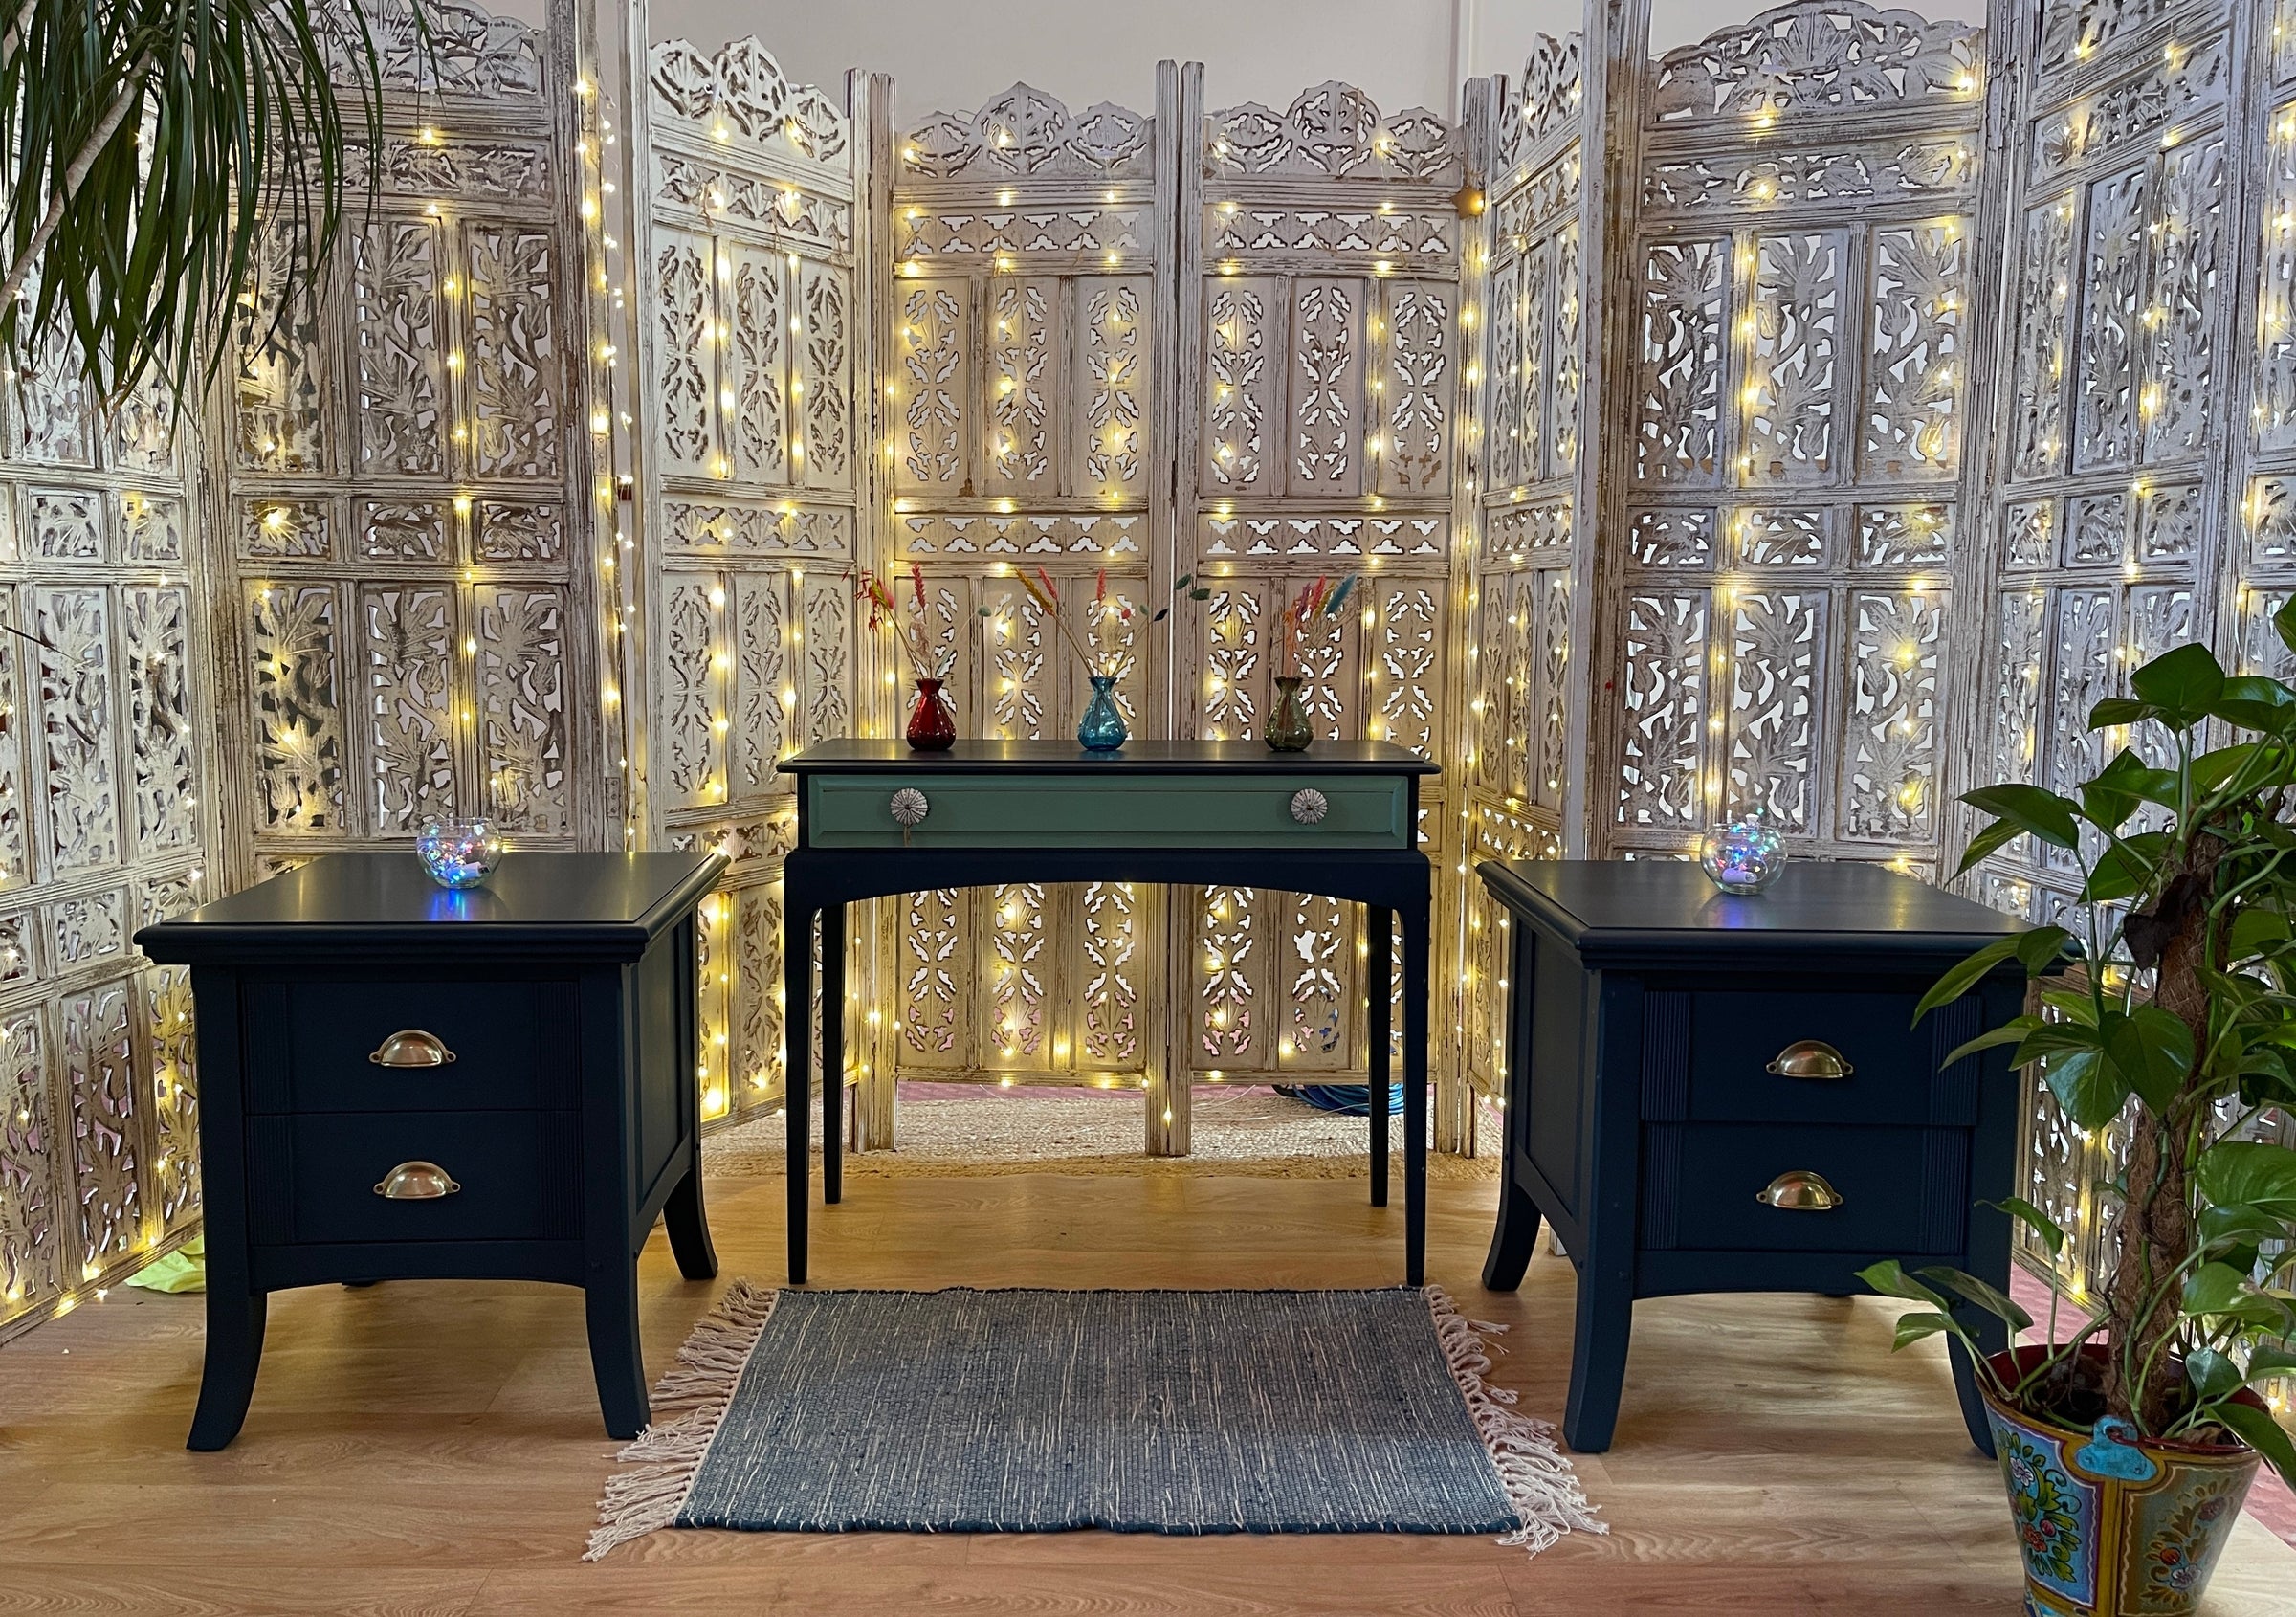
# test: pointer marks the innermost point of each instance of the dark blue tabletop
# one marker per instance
(1613, 911)
(598, 905)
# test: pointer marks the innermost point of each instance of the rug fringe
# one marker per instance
(1541, 1484)
(665, 1457)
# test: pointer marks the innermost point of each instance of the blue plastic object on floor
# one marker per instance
(1348, 1100)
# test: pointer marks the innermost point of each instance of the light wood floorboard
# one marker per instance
(431, 1449)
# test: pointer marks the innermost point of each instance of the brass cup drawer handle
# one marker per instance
(416, 1181)
(1800, 1191)
(1810, 1058)
(412, 1047)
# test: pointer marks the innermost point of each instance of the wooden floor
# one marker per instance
(433, 1447)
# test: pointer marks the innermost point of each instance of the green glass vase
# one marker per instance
(1288, 726)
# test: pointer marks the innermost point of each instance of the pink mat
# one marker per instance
(2269, 1501)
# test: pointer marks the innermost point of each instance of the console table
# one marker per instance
(400, 1083)
(874, 818)
(1717, 1094)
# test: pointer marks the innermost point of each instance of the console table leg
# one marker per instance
(1515, 1238)
(610, 1303)
(1604, 1326)
(1415, 1095)
(832, 1054)
(234, 1351)
(1378, 932)
(687, 1227)
(797, 1066)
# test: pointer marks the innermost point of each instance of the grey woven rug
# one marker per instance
(1186, 1413)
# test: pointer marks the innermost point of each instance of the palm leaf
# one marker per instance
(166, 156)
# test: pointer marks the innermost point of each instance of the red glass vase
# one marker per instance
(932, 725)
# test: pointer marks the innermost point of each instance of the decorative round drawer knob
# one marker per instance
(1800, 1191)
(1309, 806)
(416, 1181)
(909, 807)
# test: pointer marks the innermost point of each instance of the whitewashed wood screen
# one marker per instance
(377, 598)
(1027, 356)
(107, 822)
(2147, 385)
(406, 485)
(1321, 270)
(749, 473)
(1531, 460)
(1790, 483)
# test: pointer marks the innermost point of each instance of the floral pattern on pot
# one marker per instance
(2183, 1529)
(2055, 1516)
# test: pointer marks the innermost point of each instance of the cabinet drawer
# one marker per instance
(313, 1044)
(313, 1179)
(1735, 1036)
(1152, 811)
(1902, 1190)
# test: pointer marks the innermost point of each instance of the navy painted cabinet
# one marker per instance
(399, 1082)
(1716, 1094)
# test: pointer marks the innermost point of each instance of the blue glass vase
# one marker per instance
(1103, 727)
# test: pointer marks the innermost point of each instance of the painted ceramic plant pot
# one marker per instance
(2110, 1525)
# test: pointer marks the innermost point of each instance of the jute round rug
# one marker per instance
(1253, 1131)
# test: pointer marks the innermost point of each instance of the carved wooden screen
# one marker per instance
(2121, 420)
(1022, 388)
(406, 477)
(1321, 295)
(106, 823)
(748, 471)
(1530, 464)
(1793, 463)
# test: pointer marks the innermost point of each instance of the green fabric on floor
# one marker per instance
(183, 1269)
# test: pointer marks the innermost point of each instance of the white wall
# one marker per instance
(953, 54)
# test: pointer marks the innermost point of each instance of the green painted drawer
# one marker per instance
(1179, 811)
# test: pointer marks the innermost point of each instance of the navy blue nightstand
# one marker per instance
(1718, 1093)
(399, 1082)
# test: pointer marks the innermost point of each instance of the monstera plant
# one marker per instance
(155, 151)
(2166, 1005)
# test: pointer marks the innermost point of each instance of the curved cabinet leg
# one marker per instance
(688, 1227)
(1604, 1325)
(1513, 1241)
(235, 1350)
(610, 1303)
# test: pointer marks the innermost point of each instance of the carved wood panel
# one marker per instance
(752, 392)
(1796, 475)
(107, 822)
(1024, 312)
(1332, 334)
(1524, 575)
(2122, 522)
(408, 459)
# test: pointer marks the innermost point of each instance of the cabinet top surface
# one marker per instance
(1654, 907)
(854, 757)
(609, 904)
